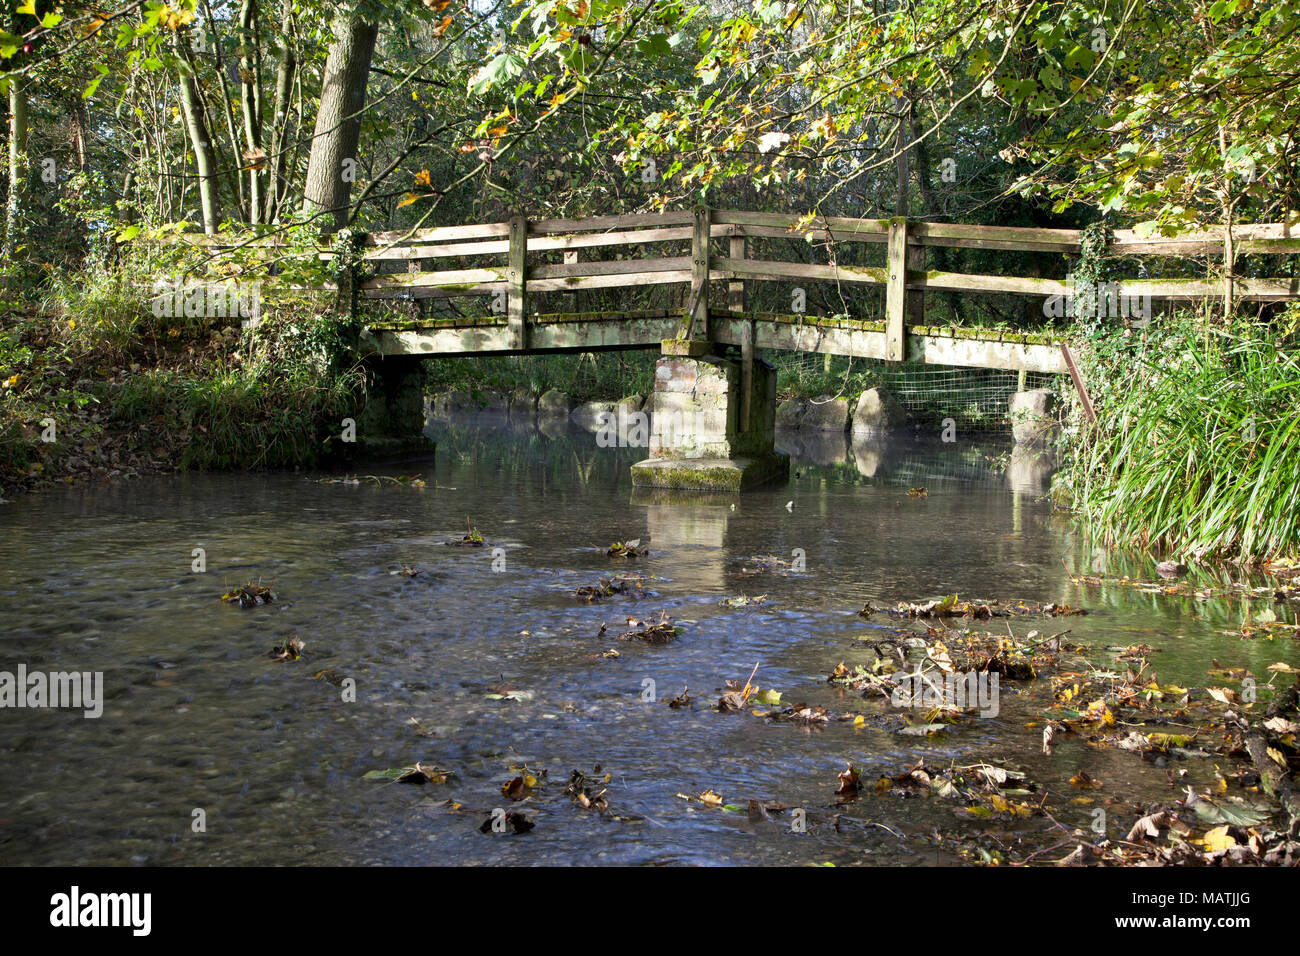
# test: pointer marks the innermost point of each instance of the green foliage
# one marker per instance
(126, 385)
(1197, 450)
(810, 380)
(586, 377)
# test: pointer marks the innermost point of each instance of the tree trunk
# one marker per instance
(200, 141)
(930, 204)
(914, 259)
(226, 114)
(250, 102)
(279, 153)
(901, 158)
(17, 162)
(331, 165)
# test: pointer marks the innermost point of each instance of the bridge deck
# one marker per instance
(609, 331)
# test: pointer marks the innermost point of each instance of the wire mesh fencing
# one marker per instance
(975, 398)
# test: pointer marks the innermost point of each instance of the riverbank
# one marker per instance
(94, 387)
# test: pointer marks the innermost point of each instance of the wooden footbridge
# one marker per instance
(712, 257)
(714, 401)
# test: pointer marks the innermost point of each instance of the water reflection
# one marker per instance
(681, 520)
(1030, 470)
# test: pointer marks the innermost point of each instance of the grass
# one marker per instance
(237, 418)
(1197, 452)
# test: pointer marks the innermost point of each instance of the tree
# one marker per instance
(17, 164)
(332, 162)
(17, 167)
(205, 157)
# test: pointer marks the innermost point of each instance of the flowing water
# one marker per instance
(198, 718)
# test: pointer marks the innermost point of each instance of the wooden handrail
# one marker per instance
(596, 231)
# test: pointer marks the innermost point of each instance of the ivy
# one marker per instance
(1095, 266)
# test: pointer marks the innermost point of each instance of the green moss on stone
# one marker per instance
(699, 479)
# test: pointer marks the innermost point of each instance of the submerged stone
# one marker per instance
(554, 403)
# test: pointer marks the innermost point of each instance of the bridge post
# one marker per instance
(736, 249)
(915, 298)
(747, 371)
(571, 301)
(896, 292)
(697, 307)
(517, 284)
(346, 246)
(736, 288)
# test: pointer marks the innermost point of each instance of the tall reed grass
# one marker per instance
(1197, 451)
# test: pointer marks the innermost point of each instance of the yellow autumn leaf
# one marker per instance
(1098, 711)
(938, 653)
(1218, 839)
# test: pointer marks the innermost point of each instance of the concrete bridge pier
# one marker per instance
(709, 432)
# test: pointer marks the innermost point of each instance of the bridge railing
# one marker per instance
(514, 260)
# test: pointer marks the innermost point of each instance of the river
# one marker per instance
(200, 726)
